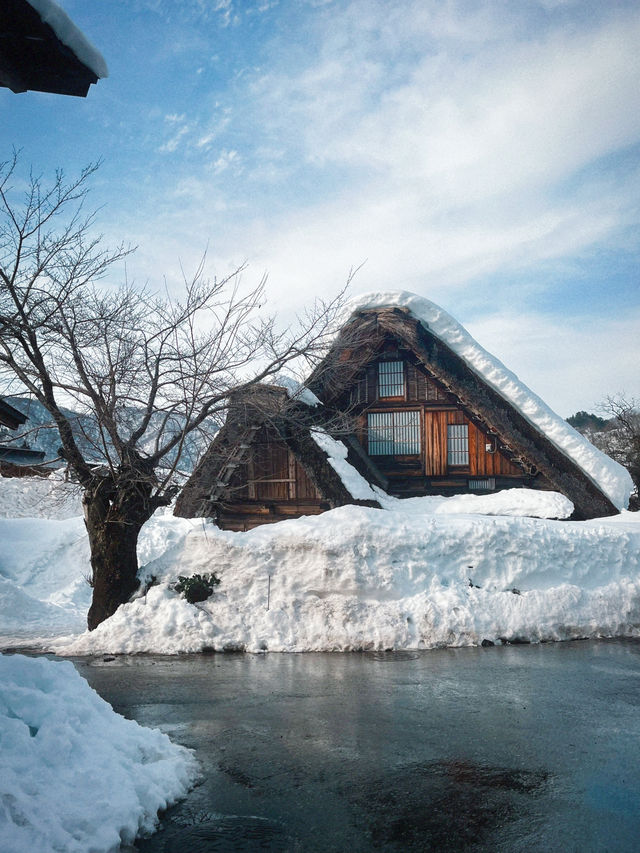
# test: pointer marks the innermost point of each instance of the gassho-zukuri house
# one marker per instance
(405, 402)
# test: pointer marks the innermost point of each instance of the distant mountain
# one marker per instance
(40, 433)
(586, 422)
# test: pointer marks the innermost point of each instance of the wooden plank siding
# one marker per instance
(272, 473)
(270, 486)
(438, 410)
(245, 515)
(435, 443)
(482, 462)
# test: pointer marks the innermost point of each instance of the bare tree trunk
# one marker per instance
(114, 516)
(114, 565)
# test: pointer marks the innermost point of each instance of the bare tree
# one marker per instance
(148, 369)
(621, 440)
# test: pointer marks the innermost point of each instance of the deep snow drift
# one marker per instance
(419, 573)
(419, 576)
(74, 775)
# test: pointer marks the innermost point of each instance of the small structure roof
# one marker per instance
(9, 416)
(21, 455)
(334, 467)
(42, 50)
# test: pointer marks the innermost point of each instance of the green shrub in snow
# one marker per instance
(196, 587)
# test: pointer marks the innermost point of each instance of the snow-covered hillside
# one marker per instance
(40, 433)
(419, 573)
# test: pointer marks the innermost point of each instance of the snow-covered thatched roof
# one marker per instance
(610, 477)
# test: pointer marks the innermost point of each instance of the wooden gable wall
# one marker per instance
(485, 459)
(270, 485)
(272, 472)
(429, 469)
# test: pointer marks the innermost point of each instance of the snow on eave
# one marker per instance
(296, 391)
(609, 476)
(353, 481)
(71, 36)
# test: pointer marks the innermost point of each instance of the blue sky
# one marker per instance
(485, 155)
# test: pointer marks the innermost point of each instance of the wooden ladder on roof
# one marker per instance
(234, 459)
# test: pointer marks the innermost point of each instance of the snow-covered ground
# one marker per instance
(74, 775)
(44, 559)
(419, 573)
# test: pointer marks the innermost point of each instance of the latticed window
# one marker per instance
(394, 433)
(458, 444)
(486, 484)
(391, 379)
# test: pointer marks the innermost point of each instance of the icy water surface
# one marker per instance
(517, 748)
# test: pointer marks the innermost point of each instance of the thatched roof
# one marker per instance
(359, 342)
(287, 420)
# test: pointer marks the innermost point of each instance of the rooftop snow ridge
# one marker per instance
(611, 477)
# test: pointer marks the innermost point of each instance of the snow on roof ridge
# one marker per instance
(611, 477)
(69, 34)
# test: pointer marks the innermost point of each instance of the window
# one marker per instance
(391, 379)
(458, 444)
(394, 433)
(487, 484)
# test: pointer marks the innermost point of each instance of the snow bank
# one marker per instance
(511, 502)
(418, 576)
(612, 478)
(74, 775)
(39, 497)
(44, 559)
(353, 577)
(44, 564)
(69, 34)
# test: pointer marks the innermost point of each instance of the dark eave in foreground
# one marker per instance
(32, 57)
(10, 417)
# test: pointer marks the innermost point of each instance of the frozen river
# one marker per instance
(516, 748)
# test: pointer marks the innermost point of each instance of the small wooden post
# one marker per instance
(269, 592)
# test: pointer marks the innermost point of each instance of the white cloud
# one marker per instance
(441, 143)
(172, 144)
(511, 116)
(573, 363)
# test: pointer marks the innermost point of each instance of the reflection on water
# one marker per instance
(529, 748)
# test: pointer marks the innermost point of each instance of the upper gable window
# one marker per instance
(391, 379)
